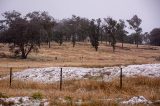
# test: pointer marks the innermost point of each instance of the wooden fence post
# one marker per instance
(121, 78)
(10, 77)
(61, 79)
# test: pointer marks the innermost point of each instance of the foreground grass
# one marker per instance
(87, 90)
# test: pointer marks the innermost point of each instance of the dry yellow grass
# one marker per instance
(87, 90)
(84, 55)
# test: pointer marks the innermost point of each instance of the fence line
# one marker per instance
(61, 79)
(10, 77)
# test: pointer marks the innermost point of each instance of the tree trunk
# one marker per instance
(106, 43)
(25, 53)
(49, 44)
(101, 38)
(39, 45)
(122, 43)
(109, 43)
(96, 49)
(73, 44)
(29, 50)
(23, 56)
(113, 48)
(137, 40)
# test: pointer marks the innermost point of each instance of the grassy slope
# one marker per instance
(84, 55)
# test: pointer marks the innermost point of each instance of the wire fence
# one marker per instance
(5, 71)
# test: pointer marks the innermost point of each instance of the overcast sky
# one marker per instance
(147, 10)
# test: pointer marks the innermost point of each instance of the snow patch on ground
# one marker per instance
(133, 101)
(137, 100)
(23, 101)
(52, 74)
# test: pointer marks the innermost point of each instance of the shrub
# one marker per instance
(37, 95)
(2, 95)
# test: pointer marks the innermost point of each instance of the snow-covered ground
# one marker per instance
(130, 102)
(137, 100)
(52, 74)
(23, 101)
(27, 101)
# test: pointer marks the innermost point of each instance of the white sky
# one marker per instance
(147, 10)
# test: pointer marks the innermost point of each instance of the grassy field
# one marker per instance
(87, 90)
(83, 55)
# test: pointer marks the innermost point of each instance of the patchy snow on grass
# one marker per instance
(149, 70)
(52, 74)
(137, 100)
(23, 101)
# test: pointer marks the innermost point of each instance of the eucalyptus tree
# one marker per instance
(20, 33)
(83, 29)
(146, 38)
(58, 33)
(73, 27)
(121, 32)
(98, 32)
(111, 29)
(94, 38)
(46, 22)
(135, 23)
(155, 37)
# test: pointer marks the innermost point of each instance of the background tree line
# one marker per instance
(26, 33)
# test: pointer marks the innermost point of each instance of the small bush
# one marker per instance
(68, 98)
(2, 95)
(37, 95)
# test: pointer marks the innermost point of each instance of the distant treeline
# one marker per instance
(25, 33)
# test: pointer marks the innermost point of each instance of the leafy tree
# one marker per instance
(76, 28)
(98, 27)
(104, 33)
(83, 29)
(155, 37)
(73, 28)
(145, 38)
(60, 32)
(58, 37)
(21, 34)
(44, 20)
(94, 38)
(64, 27)
(121, 33)
(111, 29)
(135, 23)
